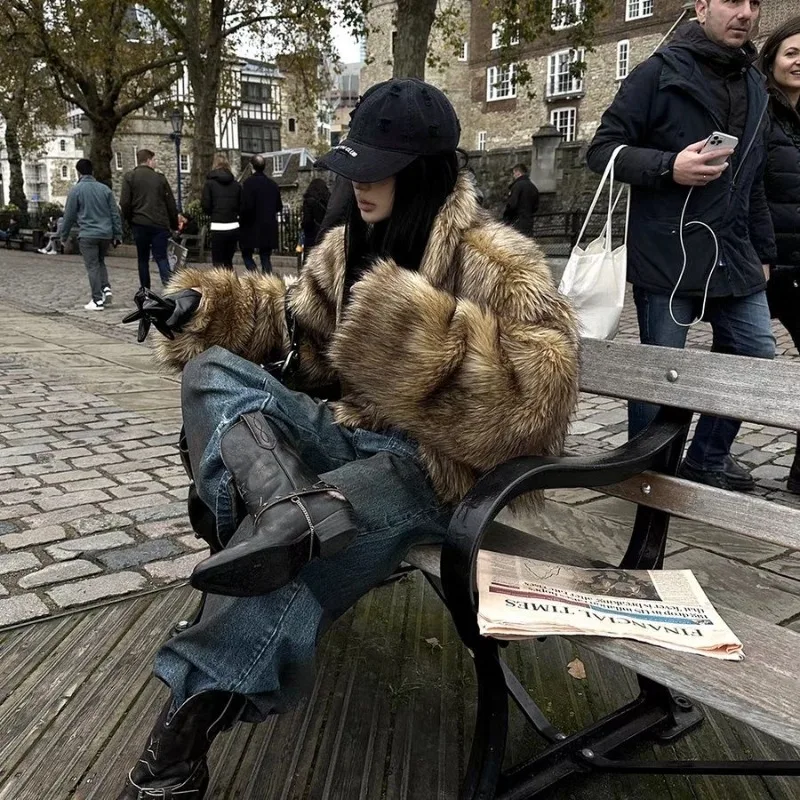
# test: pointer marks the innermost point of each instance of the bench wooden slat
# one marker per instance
(735, 688)
(749, 389)
(751, 516)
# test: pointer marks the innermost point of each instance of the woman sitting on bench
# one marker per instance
(441, 337)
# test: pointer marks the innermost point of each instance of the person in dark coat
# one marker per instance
(221, 202)
(315, 204)
(261, 204)
(780, 62)
(701, 82)
(523, 201)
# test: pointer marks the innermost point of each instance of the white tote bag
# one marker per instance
(594, 278)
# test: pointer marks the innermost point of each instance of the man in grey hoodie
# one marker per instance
(93, 206)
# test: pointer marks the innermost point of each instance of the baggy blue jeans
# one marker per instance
(263, 647)
(740, 325)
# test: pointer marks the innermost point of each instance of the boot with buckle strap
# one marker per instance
(173, 765)
(292, 516)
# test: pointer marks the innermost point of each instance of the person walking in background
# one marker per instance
(149, 207)
(315, 204)
(222, 195)
(93, 206)
(780, 62)
(703, 81)
(261, 204)
(523, 201)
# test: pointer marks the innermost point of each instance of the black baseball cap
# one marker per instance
(394, 123)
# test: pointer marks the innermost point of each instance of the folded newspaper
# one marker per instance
(520, 598)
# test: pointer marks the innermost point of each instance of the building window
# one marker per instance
(481, 140)
(259, 137)
(560, 78)
(637, 9)
(392, 44)
(253, 92)
(118, 160)
(500, 84)
(564, 119)
(62, 145)
(184, 162)
(497, 33)
(279, 164)
(623, 59)
(566, 13)
(292, 125)
(64, 172)
(464, 55)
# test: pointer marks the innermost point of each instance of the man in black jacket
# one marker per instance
(523, 201)
(703, 81)
(148, 205)
(261, 204)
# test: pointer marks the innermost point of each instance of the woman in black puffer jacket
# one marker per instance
(221, 201)
(780, 62)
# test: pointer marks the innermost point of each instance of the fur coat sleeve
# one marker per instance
(482, 374)
(242, 314)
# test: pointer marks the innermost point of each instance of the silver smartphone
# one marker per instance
(719, 141)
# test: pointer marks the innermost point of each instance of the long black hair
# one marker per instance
(421, 190)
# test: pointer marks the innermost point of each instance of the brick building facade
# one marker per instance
(496, 114)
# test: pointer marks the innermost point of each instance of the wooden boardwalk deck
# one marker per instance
(388, 718)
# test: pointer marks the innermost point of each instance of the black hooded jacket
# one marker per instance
(222, 196)
(783, 178)
(686, 91)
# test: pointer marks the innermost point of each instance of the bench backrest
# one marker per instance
(750, 389)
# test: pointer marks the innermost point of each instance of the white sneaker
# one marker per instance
(43, 251)
(94, 305)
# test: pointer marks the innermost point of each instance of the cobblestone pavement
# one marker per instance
(92, 494)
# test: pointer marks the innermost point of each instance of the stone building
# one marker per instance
(495, 113)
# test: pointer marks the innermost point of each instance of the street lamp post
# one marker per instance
(176, 118)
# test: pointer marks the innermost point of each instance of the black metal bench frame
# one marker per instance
(21, 238)
(656, 714)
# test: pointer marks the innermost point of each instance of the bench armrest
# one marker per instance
(497, 488)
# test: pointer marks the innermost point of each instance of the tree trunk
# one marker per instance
(414, 21)
(16, 186)
(104, 127)
(204, 68)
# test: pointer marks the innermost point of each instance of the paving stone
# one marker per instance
(136, 489)
(72, 548)
(135, 477)
(103, 522)
(788, 565)
(134, 466)
(176, 569)
(3, 591)
(7, 527)
(16, 562)
(39, 493)
(769, 472)
(91, 589)
(191, 542)
(17, 485)
(166, 527)
(164, 511)
(58, 573)
(33, 538)
(70, 476)
(777, 447)
(14, 512)
(133, 503)
(45, 467)
(21, 608)
(96, 461)
(72, 499)
(140, 554)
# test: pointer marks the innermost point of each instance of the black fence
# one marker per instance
(558, 232)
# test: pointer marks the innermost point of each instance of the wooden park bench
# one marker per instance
(763, 691)
(23, 237)
(195, 243)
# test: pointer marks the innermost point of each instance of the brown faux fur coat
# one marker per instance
(474, 355)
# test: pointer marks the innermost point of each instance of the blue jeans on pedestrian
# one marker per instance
(264, 253)
(263, 647)
(740, 326)
(147, 238)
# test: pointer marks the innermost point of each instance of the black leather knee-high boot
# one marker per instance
(292, 516)
(173, 763)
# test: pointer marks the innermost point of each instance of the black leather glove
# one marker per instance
(167, 314)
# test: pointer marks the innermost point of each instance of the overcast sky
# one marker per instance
(347, 45)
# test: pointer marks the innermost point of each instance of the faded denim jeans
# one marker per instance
(741, 326)
(263, 647)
